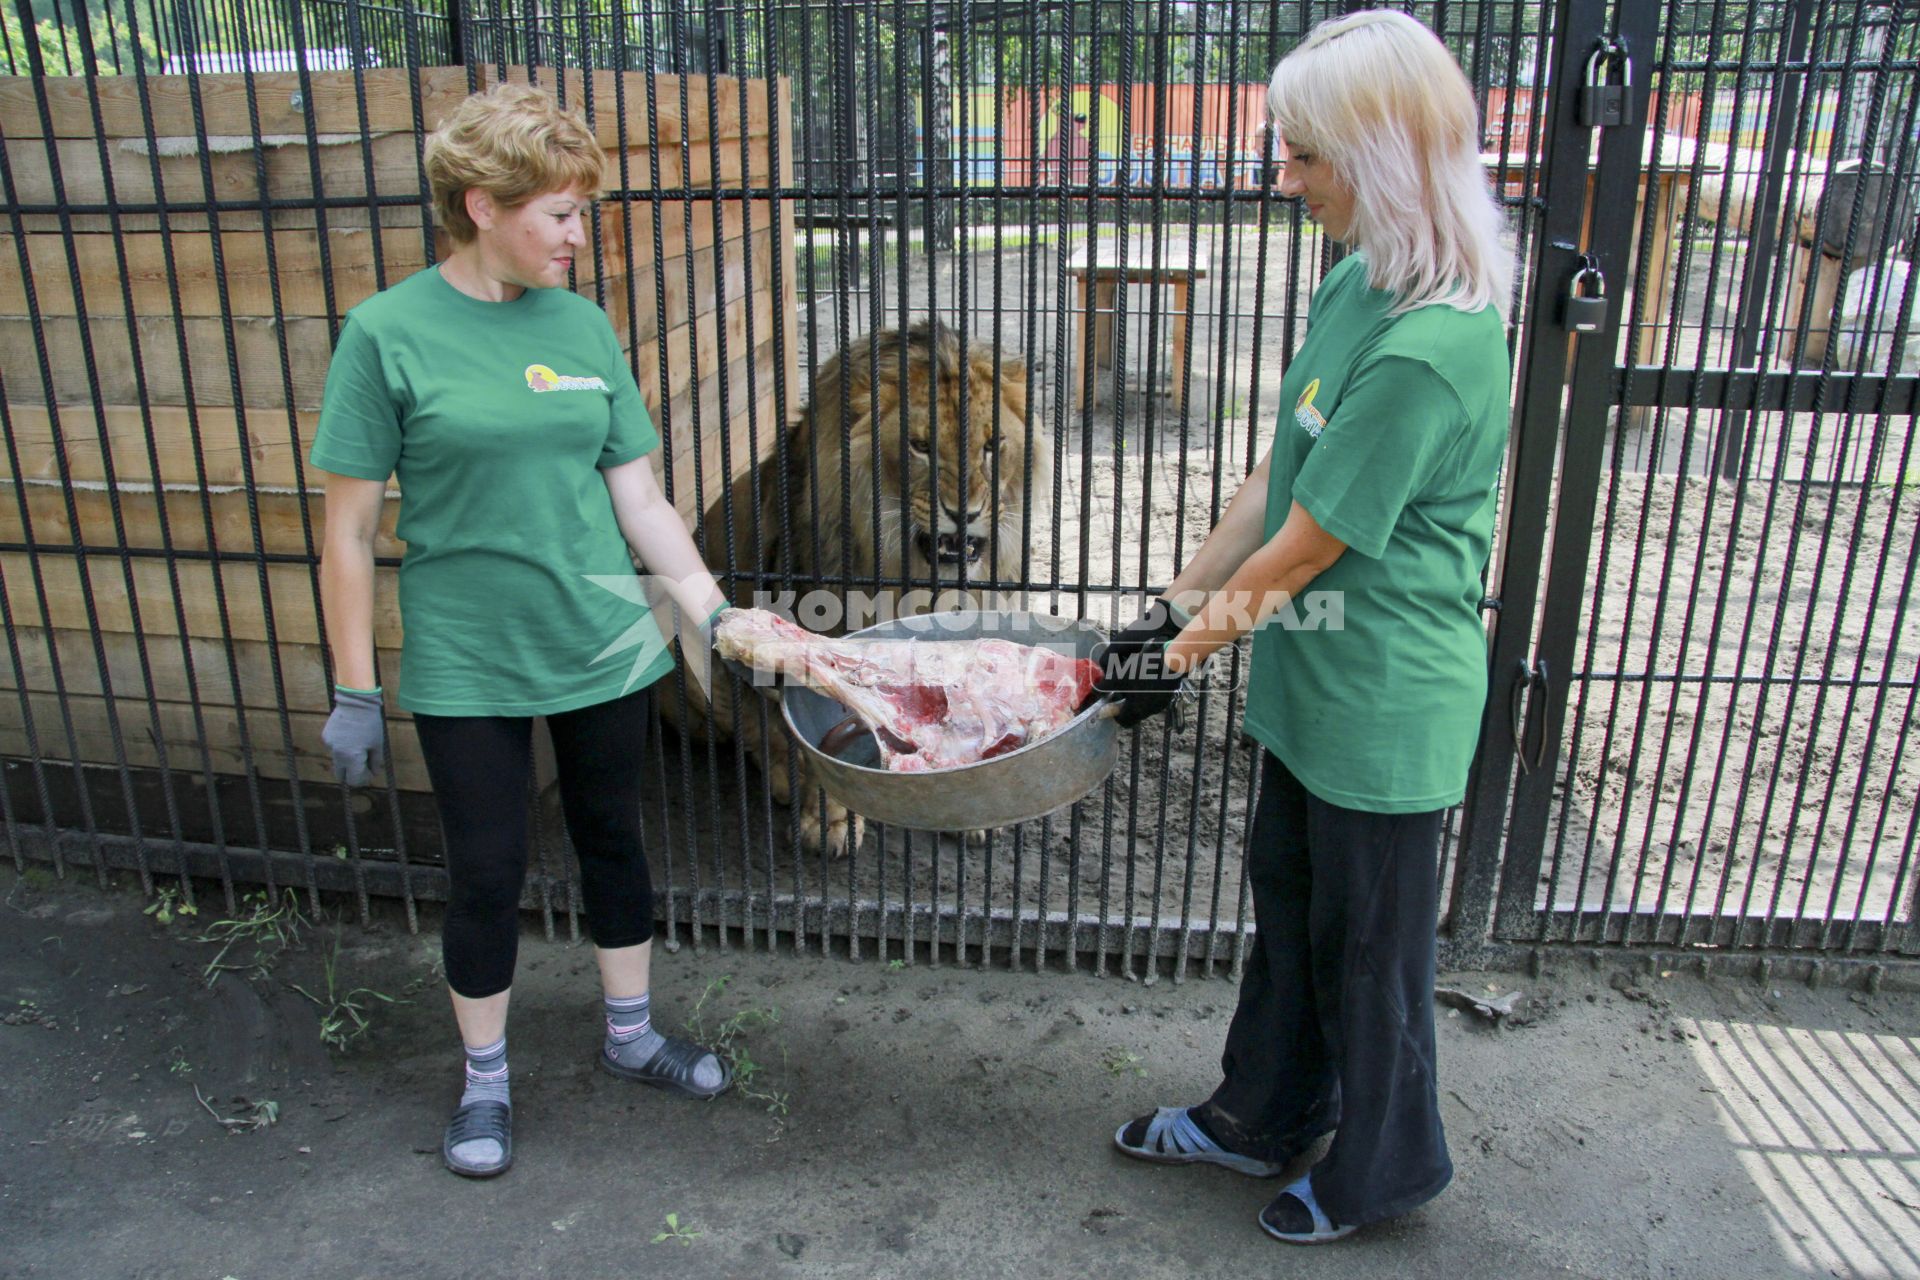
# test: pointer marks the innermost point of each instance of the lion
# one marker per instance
(847, 444)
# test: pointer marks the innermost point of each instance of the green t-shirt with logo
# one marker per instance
(497, 418)
(1391, 434)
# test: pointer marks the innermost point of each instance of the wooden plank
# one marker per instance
(269, 448)
(665, 128)
(693, 349)
(676, 230)
(222, 742)
(187, 525)
(258, 343)
(289, 586)
(789, 345)
(635, 319)
(244, 267)
(752, 438)
(301, 673)
(332, 105)
(404, 219)
(245, 258)
(224, 106)
(229, 169)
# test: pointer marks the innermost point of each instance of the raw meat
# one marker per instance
(933, 704)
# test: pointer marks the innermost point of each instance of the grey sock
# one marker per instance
(632, 1041)
(486, 1082)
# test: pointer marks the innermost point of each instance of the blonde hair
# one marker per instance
(514, 142)
(1380, 98)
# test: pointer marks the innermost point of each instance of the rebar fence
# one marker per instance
(1725, 645)
(1082, 193)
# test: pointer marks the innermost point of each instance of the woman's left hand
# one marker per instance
(1134, 668)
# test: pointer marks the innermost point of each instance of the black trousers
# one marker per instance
(1334, 1029)
(479, 767)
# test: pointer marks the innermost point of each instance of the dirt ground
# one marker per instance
(904, 1119)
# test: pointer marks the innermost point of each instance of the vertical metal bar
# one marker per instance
(696, 891)
(1751, 320)
(1542, 360)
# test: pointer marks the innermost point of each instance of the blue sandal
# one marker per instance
(1169, 1136)
(477, 1122)
(671, 1067)
(1297, 1218)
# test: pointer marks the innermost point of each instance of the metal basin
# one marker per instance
(1034, 780)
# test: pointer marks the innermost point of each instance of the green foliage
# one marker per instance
(262, 931)
(343, 1014)
(167, 903)
(252, 943)
(685, 1235)
(63, 52)
(248, 1115)
(728, 1040)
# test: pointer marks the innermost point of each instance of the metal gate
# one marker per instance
(1704, 666)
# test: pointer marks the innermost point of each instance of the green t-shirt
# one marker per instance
(1391, 435)
(497, 418)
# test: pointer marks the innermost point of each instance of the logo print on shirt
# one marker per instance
(541, 378)
(1306, 415)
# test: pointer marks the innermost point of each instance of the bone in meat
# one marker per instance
(933, 704)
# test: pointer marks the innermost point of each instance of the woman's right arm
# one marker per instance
(353, 515)
(1240, 533)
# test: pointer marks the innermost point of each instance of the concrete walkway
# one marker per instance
(925, 1121)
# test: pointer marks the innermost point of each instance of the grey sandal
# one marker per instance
(1297, 1218)
(671, 1067)
(476, 1122)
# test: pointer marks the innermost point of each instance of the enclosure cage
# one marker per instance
(1705, 555)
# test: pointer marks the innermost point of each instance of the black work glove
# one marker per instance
(1133, 669)
(356, 736)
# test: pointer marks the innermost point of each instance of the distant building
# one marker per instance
(272, 60)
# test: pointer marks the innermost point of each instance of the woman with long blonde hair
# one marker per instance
(1367, 690)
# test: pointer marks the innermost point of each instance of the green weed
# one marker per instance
(343, 1015)
(262, 932)
(683, 1234)
(248, 1117)
(252, 943)
(728, 1040)
(167, 903)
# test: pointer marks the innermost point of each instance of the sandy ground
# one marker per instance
(929, 1121)
(1712, 789)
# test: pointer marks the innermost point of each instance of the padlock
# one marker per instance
(1584, 312)
(1603, 104)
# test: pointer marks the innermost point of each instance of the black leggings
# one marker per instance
(479, 767)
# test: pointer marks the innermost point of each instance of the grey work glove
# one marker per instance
(356, 735)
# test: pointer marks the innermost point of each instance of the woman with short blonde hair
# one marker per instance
(507, 410)
(512, 142)
(1378, 492)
